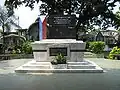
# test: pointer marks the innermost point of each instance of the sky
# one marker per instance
(28, 16)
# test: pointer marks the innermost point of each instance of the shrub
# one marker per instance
(115, 50)
(13, 52)
(87, 45)
(16, 51)
(59, 59)
(27, 48)
(97, 47)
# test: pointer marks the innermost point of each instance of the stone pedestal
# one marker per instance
(74, 49)
(45, 50)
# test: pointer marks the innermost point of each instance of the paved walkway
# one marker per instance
(110, 80)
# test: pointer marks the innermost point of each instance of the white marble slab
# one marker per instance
(70, 44)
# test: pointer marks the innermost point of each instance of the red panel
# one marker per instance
(44, 28)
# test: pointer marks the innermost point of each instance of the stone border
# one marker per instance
(24, 70)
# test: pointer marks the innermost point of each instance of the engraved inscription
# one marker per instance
(61, 27)
(54, 51)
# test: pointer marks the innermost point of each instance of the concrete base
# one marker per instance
(73, 49)
(85, 66)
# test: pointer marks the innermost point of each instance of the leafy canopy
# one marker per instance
(89, 12)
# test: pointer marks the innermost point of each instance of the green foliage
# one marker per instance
(59, 59)
(26, 47)
(23, 48)
(1, 30)
(87, 45)
(90, 12)
(117, 21)
(115, 50)
(16, 51)
(97, 47)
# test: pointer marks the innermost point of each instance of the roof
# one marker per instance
(106, 33)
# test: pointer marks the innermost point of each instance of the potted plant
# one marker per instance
(59, 62)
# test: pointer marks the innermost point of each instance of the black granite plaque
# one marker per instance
(61, 27)
(56, 50)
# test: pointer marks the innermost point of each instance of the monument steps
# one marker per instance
(81, 66)
(59, 71)
(37, 66)
(45, 51)
(40, 63)
(72, 67)
(78, 63)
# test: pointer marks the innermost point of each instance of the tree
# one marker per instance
(89, 12)
(6, 17)
(118, 30)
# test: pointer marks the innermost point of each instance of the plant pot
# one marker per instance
(59, 66)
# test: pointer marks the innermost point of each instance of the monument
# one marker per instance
(61, 27)
(60, 41)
